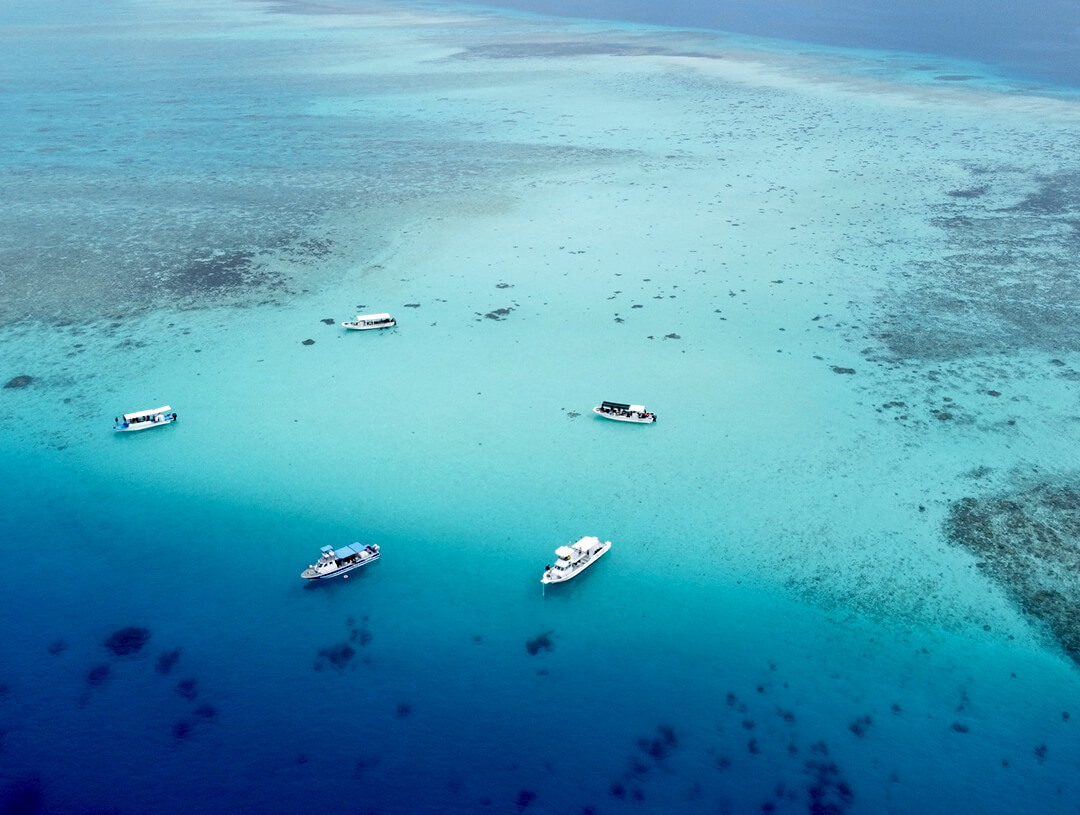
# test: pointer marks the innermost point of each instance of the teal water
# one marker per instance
(557, 213)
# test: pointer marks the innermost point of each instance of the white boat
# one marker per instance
(334, 562)
(624, 413)
(365, 321)
(144, 419)
(573, 559)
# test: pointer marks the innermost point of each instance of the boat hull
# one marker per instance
(634, 419)
(549, 578)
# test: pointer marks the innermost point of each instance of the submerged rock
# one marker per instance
(20, 381)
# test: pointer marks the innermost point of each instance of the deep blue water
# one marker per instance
(1038, 40)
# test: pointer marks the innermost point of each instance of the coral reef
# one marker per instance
(1029, 542)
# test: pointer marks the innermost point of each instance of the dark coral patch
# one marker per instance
(98, 674)
(308, 341)
(182, 729)
(661, 745)
(337, 656)
(57, 647)
(20, 381)
(187, 688)
(860, 725)
(525, 797)
(404, 710)
(166, 661)
(127, 641)
(837, 369)
(540, 643)
(206, 712)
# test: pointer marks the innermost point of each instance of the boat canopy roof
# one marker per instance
(637, 408)
(142, 413)
(373, 318)
(348, 551)
(615, 406)
(566, 552)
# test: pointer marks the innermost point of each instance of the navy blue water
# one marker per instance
(1033, 40)
(557, 213)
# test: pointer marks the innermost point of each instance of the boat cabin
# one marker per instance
(625, 412)
(145, 415)
(569, 554)
(146, 418)
(371, 321)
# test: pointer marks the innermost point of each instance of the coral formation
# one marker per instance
(127, 641)
(187, 688)
(1029, 542)
(337, 656)
(98, 674)
(166, 661)
(542, 642)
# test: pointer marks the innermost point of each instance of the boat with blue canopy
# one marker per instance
(334, 562)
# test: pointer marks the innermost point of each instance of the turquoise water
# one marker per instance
(713, 226)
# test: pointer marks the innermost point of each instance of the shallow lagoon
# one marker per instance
(802, 259)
